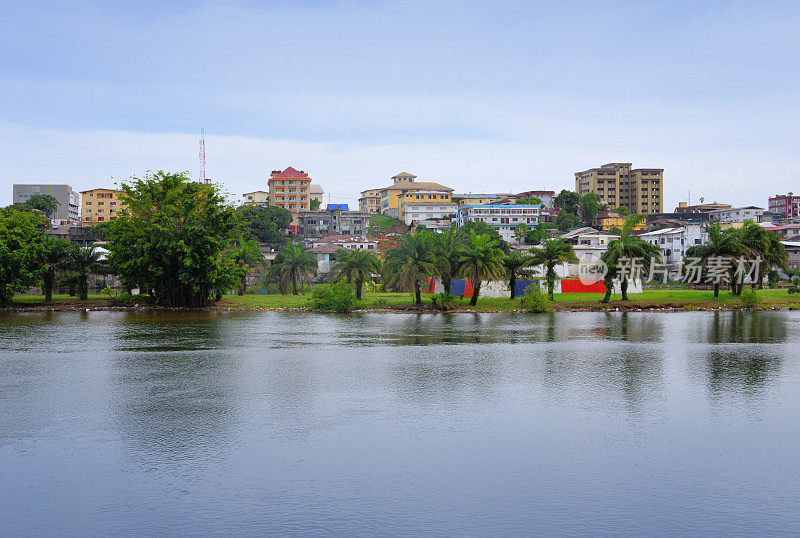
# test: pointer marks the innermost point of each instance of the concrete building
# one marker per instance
(314, 224)
(683, 207)
(503, 218)
(403, 183)
(674, 242)
(792, 253)
(370, 201)
(423, 205)
(100, 205)
(786, 206)
(256, 198)
(462, 200)
(346, 242)
(291, 190)
(736, 214)
(605, 220)
(69, 203)
(588, 237)
(641, 190)
(546, 197)
(316, 193)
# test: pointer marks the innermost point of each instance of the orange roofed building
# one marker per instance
(290, 189)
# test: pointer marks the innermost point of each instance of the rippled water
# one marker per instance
(492, 424)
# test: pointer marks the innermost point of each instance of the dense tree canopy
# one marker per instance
(481, 228)
(174, 239)
(21, 242)
(45, 203)
(568, 201)
(264, 224)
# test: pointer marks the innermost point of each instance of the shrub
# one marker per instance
(795, 287)
(749, 298)
(535, 301)
(448, 299)
(773, 278)
(109, 292)
(338, 297)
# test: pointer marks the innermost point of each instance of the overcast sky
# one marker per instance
(479, 96)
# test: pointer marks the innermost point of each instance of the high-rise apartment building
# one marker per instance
(290, 189)
(68, 200)
(641, 190)
(100, 205)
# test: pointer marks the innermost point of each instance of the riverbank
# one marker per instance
(655, 299)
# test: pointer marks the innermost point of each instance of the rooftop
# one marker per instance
(288, 173)
(421, 185)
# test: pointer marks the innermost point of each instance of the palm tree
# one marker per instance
(720, 244)
(765, 245)
(411, 262)
(516, 264)
(553, 252)
(54, 256)
(449, 247)
(629, 248)
(84, 260)
(356, 266)
(293, 264)
(246, 256)
(481, 258)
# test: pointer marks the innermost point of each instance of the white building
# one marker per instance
(736, 214)
(674, 242)
(502, 218)
(588, 237)
(422, 211)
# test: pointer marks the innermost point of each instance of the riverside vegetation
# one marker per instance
(181, 245)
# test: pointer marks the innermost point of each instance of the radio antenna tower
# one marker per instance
(202, 178)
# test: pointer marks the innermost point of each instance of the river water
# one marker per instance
(486, 424)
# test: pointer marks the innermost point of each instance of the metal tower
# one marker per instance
(203, 178)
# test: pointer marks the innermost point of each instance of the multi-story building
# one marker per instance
(68, 200)
(370, 201)
(403, 183)
(256, 198)
(605, 220)
(100, 205)
(683, 207)
(786, 206)
(546, 197)
(416, 206)
(674, 242)
(462, 200)
(588, 237)
(313, 224)
(504, 218)
(290, 189)
(641, 190)
(736, 215)
(315, 196)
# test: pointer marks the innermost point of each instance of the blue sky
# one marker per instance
(481, 96)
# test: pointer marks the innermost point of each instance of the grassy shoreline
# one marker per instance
(651, 299)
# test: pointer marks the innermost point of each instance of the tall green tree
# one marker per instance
(412, 262)
(553, 252)
(174, 238)
(516, 265)
(448, 245)
(536, 235)
(293, 264)
(21, 240)
(246, 256)
(568, 201)
(721, 244)
(482, 258)
(764, 245)
(356, 266)
(519, 232)
(477, 227)
(264, 224)
(590, 206)
(632, 248)
(45, 203)
(54, 256)
(566, 221)
(84, 261)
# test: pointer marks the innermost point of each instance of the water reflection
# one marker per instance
(738, 326)
(741, 369)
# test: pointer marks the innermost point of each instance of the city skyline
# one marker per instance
(509, 97)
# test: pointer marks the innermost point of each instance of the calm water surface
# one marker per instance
(493, 424)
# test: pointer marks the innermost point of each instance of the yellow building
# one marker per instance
(256, 198)
(462, 200)
(640, 190)
(370, 201)
(403, 183)
(610, 219)
(100, 205)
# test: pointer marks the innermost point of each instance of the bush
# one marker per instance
(338, 297)
(749, 298)
(535, 301)
(795, 287)
(447, 299)
(773, 278)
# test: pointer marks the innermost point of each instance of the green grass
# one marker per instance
(59, 299)
(383, 223)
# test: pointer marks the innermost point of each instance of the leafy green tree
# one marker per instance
(293, 264)
(622, 210)
(760, 243)
(519, 232)
(566, 221)
(568, 201)
(481, 228)
(314, 204)
(516, 265)
(21, 240)
(721, 244)
(174, 239)
(45, 203)
(590, 207)
(482, 258)
(536, 235)
(356, 266)
(264, 224)
(54, 256)
(553, 252)
(84, 261)
(531, 200)
(337, 297)
(246, 256)
(630, 247)
(412, 262)
(448, 245)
